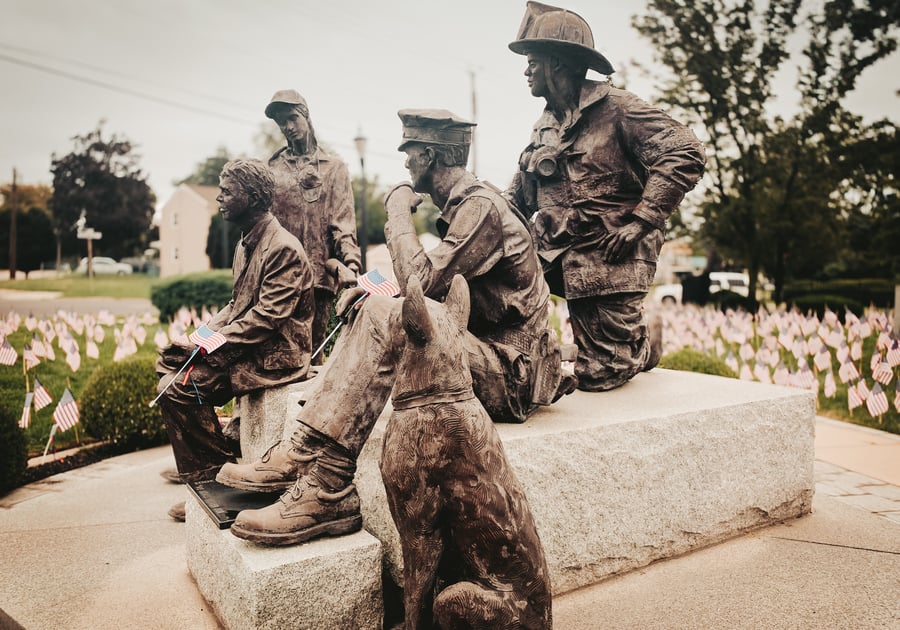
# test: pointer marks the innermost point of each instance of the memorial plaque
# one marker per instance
(222, 503)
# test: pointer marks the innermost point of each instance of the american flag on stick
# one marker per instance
(25, 420)
(66, 415)
(42, 397)
(207, 338)
(8, 354)
(877, 402)
(373, 282)
(853, 399)
(31, 359)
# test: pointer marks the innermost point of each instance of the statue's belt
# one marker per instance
(432, 398)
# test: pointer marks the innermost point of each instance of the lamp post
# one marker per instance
(360, 141)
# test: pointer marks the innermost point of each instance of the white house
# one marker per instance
(183, 229)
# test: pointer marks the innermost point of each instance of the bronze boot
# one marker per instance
(277, 469)
(304, 512)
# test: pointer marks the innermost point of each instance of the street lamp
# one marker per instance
(360, 141)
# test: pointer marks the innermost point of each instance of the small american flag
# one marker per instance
(830, 385)
(848, 372)
(25, 420)
(8, 354)
(207, 338)
(897, 396)
(883, 373)
(893, 355)
(42, 397)
(853, 399)
(877, 402)
(822, 359)
(373, 282)
(66, 414)
(31, 359)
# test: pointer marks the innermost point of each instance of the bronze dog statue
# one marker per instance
(471, 553)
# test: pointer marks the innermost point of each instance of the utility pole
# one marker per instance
(474, 149)
(14, 209)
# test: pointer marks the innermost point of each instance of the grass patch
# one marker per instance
(56, 376)
(72, 285)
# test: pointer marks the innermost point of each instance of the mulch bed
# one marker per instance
(83, 457)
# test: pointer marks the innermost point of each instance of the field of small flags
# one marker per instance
(46, 362)
(850, 362)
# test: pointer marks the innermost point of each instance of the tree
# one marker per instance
(34, 245)
(375, 213)
(770, 194)
(34, 242)
(101, 179)
(221, 242)
(206, 173)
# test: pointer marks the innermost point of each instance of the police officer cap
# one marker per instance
(287, 97)
(434, 126)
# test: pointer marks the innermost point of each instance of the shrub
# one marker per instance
(862, 291)
(195, 290)
(836, 303)
(114, 404)
(13, 451)
(725, 300)
(690, 360)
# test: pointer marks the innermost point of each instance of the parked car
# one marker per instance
(718, 281)
(104, 266)
(668, 293)
(729, 281)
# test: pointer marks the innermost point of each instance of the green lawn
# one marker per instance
(75, 285)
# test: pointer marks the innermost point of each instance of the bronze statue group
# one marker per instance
(469, 342)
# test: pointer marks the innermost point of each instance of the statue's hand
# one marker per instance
(401, 199)
(618, 244)
(349, 302)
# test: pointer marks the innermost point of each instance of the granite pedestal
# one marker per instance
(669, 463)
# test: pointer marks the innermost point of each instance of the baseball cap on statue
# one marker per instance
(434, 126)
(287, 97)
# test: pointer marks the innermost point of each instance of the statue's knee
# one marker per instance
(466, 604)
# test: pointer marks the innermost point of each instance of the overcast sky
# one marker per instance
(179, 78)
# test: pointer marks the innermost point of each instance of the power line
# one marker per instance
(123, 90)
(114, 73)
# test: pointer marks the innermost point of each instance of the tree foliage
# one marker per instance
(221, 242)
(101, 179)
(206, 173)
(34, 239)
(774, 187)
(34, 230)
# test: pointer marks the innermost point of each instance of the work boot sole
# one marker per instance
(255, 486)
(338, 527)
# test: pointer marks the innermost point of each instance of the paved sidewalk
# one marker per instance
(93, 549)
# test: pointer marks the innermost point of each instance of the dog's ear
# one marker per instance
(416, 320)
(457, 301)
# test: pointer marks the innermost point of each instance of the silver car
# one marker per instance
(105, 266)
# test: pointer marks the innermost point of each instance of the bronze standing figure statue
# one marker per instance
(512, 365)
(603, 172)
(266, 326)
(314, 201)
(472, 557)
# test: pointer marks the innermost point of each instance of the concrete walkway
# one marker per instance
(93, 549)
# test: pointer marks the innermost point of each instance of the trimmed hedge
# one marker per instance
(13, 451)
(837, 303)
(209, 289)
(115, 404)
(690, 360)
(865, 291)
(725, 300)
